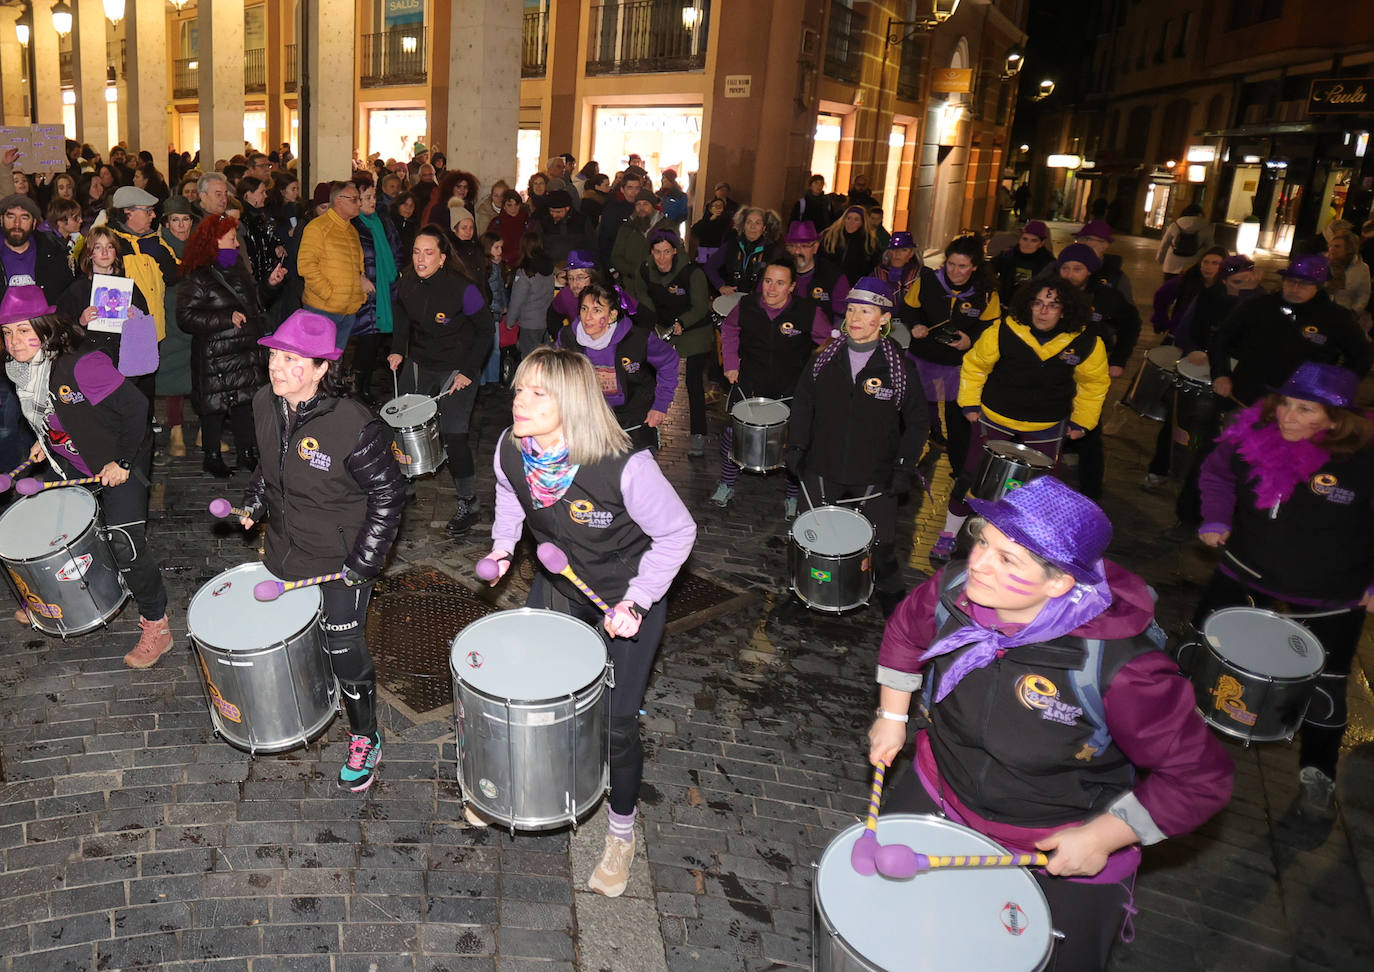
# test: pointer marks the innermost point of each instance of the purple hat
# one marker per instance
(581, 260)
(871, 291)
(801, 231)
(901, 241)
(1080, 253)
(306, 333)
(1037, 228)
(1311, 267)
(1326, 383)
(1052, 521)
(23, 303)
(1100, 229)
(1236, 264)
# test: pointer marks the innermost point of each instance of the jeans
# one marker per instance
(344, 323)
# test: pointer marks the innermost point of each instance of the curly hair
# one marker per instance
(203, 243)
(971, 246)
(1075, 310)
(772, 222)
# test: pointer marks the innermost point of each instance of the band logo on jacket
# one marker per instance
(1327, 485)
(874, 387)
(630, 365)
(1313, 334)
(1069, 358)
(969, 309)
(309, 450)
(1038, 692)
(677, 290)
(584, 513)
(820, 295)
(69, 396)
(788, 329)
(441, 318)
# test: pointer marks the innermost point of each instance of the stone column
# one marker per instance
(47, 77)
(13, 71)
(328, 74)
(147, 81)
(484, 88)
(88, 61)
(275, 55)
(221, 81)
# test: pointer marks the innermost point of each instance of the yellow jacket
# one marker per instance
(1090, 376)
(331, 264)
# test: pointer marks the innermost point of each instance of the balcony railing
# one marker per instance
(534, 44)
(290, 82)
(844, 44)
(648, 36)
(186, 77)
(255, 71)
(398, 56)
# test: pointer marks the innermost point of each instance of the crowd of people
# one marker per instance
(594, 298)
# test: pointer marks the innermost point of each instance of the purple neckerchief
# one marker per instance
(982, 645)
(968, 290)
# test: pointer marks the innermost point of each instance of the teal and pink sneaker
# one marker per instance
(360, 768)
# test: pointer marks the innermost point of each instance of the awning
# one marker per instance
(1268, 129)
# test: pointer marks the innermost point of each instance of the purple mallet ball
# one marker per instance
(488, 569)
(555, 561)
(221, 507)
(899, 861)
(6, 481)
(268, 590)
(862, 854)
(28, 486)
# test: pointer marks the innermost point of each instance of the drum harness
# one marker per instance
(1287, 614)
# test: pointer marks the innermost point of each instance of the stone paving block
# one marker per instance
(524, 887)
(146, 951)
(375, 963)
(535, 943)
(74, 958)
(150, 919)
(690, 958)
(454, 963)
(294, 963)
(210, 943)
(448, 939)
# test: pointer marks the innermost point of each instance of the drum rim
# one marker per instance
(1020, 448)
(575, 696)
(525, 610)
(867, 547)
(318, 614)
(757, 400)
(63, 551)
(1178, 355)
(61, 491)
(1205, 642)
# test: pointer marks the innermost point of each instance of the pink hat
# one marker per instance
(308, 334)
(24, 303)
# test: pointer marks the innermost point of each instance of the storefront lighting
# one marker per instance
(114, 10)
(1247, 236)
(1025, 147)
(1202, 153)
(949, 117)
(1361, 144)
(1171, 163)
(1250, 159)
(1272, 164)
(1149, 199)
(193, 66)
(691, 16)
(896, 139)
(410, 44)
(1197, 173)
(68, 96)
(111, 95)
(62, 19)
(1088, 164)
(1064, 161)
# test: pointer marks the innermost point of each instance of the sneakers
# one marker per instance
(698, 446)
(723, 495)
(360, 768)
(613, 871)
(789, 508)
(1153, 481)
(1318, 793)
(466, 516)
(155, 642)
(943, 549)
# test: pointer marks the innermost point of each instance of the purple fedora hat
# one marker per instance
(1310, 267)
(1054, 522)
(581, 260)
(1326, 383)
(305, 333)
(24, 303)
(801, 231)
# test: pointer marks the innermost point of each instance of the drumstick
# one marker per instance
(489, 568)
(866, 847)
(30, 485)
(900, 861)
(7, 479)
(270, 590)
(221, 508)
(556, 561)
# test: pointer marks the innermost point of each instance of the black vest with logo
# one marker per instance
(96, 429)
(672, 299)
(819, 284)
(589, 523)
(772, 353)
(633, 372)
(1026, 388)
(857, 426)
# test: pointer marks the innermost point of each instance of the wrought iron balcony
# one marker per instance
(255, 71)
(186, 77)
(397, 56)
(534, 44)
(648, 36)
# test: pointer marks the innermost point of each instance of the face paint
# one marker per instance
(35, 343)
(1025, 589)
(297, 371)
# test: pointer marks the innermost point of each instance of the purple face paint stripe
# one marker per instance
(1019, 580)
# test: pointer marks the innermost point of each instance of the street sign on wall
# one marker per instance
(952, 81)
(1329, 96)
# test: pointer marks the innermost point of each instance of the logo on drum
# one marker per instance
(474, 659)
(1038, 692)
(222, 705)
(583, 513)
(67, 396)
(1230, 698)
(75, 569)
(820, 575)
(400, 456)
(221, 589)
(1011, 484)
(1298, 645)
(309, 450)
(1014, 918)
(33, 602)
(57, 540)
(631, 367)
(487, 787)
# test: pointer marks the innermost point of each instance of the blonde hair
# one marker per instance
(589, 426)
(832, 237)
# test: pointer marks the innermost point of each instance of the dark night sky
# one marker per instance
(1060, 48)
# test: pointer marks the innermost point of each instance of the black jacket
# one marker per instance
(1013, 268)
(440, 325)
(328, 485)
(227, 365)
(1116, 320)
(563, 237)
(52, 271)
(260, 243)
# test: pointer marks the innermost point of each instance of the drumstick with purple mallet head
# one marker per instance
(221, 508)
(270, 590)
(31, 485)
(556, 562)
(861, 856)
(901, 861)
(7, 479)
(489, 568)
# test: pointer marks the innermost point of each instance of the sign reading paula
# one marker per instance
(1334, 95)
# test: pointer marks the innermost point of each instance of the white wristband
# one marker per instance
(894, 716)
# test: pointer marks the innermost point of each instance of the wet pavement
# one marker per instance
(132, 838)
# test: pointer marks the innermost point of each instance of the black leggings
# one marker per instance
(696, 391)
(345, 620)
(633, 659)
(212, 430)
(125, 509)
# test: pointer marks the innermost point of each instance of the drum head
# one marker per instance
(41, 524)
(409, 410)
(1017, 452)
(528, 655)
(955, 918)
(1165, 356)
(832, 531)
(224, 614)
(761, 411)
(725, 303)
(1201, 373)
(1264, 643)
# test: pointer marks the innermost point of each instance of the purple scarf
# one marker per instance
(983, 645)
(1276, 465)
(548, 474)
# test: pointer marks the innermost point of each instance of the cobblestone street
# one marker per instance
(130, 837)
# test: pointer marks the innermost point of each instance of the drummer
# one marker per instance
(90, 421)
(1032, 383)
(567, 471)
(581, 271)
(1007, 649)
(1287, 495)
(850, 446)
(332, 495)
(765, 343)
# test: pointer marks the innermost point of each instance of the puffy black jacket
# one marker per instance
(260, 243)
(227, 365)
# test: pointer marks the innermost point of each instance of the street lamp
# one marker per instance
(114, 10)
(23, 28)
(62, 18)
(1015, 61)
(933, 14)
(1046, 89)
(691, 16)
(179, 4)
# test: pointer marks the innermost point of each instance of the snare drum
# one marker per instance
(830, 558)
(1253, 672)
(1196, 406)
(60, 561)
(529, 688)
(1149, 392)
(416, 444)
(760, 434)
(954, 919)
(1007, 465)
(268, 682)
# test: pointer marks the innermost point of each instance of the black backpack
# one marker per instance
(1186, 243)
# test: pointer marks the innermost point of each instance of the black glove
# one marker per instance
(354, 579)
(257, 513)
(793, 459)
(902, 479)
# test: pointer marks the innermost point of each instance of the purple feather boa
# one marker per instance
(1277, 466)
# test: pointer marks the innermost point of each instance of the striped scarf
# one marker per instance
(891, 354)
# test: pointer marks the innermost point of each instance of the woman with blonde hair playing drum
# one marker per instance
(566, 470)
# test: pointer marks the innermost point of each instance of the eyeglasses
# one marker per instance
(1046, 304)
(349, 198)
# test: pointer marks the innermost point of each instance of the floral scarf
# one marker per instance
(548, 474)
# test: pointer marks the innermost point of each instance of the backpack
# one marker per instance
(1186, 243)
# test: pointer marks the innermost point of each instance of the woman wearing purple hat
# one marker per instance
(897, 268)
(1288, 495)
(90, 421)
(581, 271)
(1028, 258)
(1051, 721)
(332, 494)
